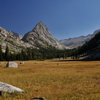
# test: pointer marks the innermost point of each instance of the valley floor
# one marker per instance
(54, 80)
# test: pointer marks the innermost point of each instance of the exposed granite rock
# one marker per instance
(4, 87)
(41, 36)
(9, 39)
(12, 64)
(21, 62)
(16, 34)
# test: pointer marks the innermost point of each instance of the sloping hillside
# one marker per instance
(9, 39)
(78, 41)
(91, 49)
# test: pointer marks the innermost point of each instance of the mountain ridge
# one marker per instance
(39, 36)
(7, 38)
(78, 41)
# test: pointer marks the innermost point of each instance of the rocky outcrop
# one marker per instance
(21, 62)
(16, 34)
(9, 39)
(40, 36)
(4, 87)
(12, 64)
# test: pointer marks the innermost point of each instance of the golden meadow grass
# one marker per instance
(54, 80)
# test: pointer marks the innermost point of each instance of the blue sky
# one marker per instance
(64, 18)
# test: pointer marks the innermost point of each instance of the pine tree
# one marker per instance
(7, 54)
(1, 54)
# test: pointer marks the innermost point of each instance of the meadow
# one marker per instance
(54, 80)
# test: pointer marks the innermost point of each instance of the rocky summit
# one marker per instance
(40, 36)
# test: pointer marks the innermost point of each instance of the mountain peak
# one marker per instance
(40, 23)
(40, 36)
(40, 26)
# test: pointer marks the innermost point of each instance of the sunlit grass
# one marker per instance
(54, 80)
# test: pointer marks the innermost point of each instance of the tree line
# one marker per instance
(50, 52)
(32, 54)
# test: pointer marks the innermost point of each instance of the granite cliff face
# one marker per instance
(16, 34)
(40, 36)
(9, 39)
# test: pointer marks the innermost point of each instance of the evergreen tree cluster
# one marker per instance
(32, 54)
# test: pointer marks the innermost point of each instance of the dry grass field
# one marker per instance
(54, 80)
